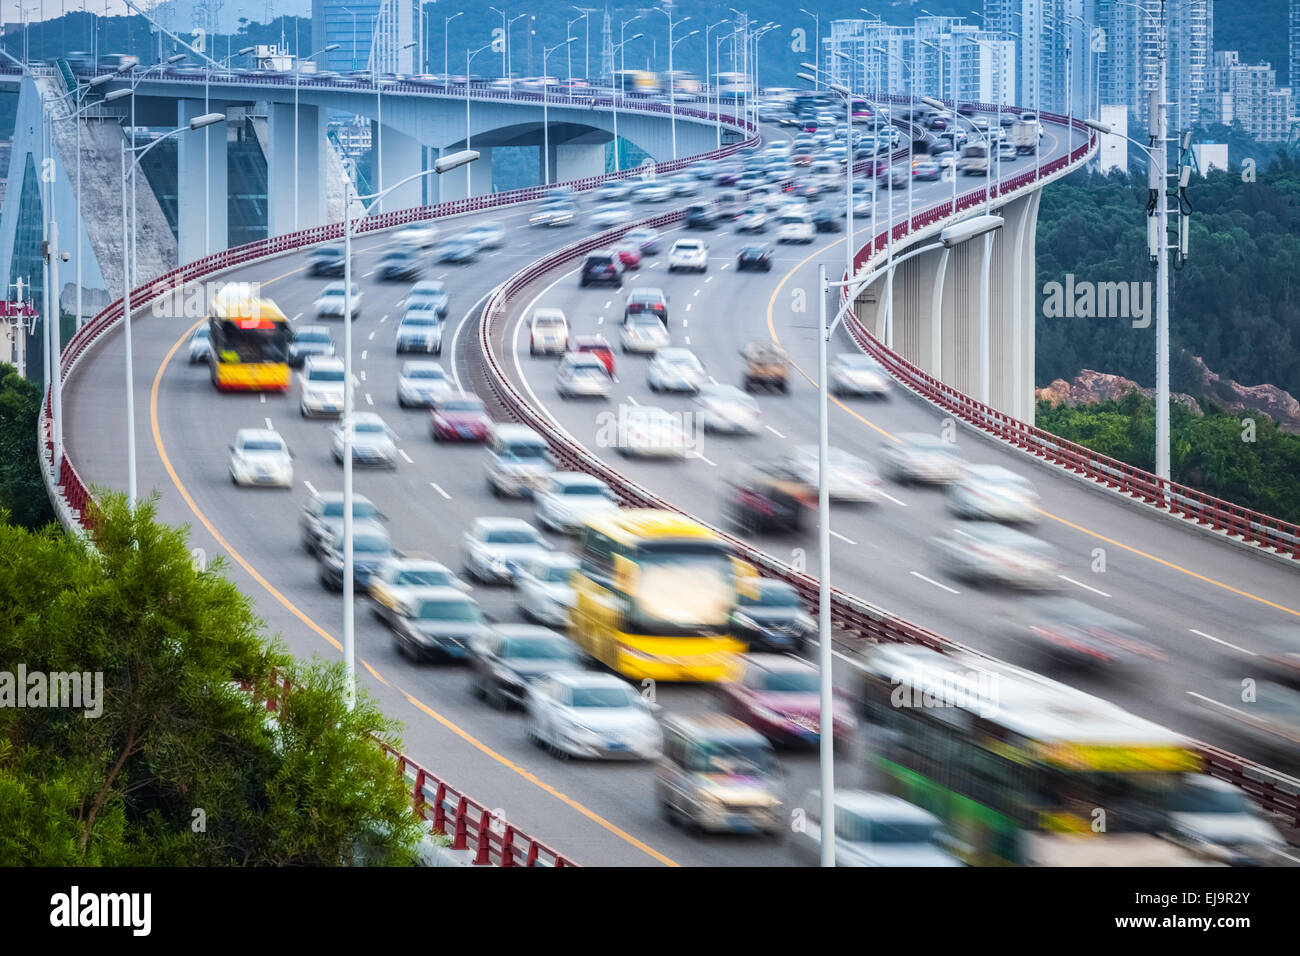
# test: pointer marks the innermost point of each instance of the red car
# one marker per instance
(777, 695)
(597, 345)
(629, 256)
(459, 416)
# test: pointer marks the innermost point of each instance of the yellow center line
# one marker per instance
(293, 609)
(771, 329)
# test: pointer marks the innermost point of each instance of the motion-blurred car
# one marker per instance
(652, 191)
(593, 715)
(519, 460)
(603, 268)
(459, 416)
(643, 334)
(330, 303)
(852, 373)
(675, 370)
(1215, 819)
(582, 375)
(437, 624)
(612, 214)
(701, 216)
(456, 251)
(648, 432)
(260, 457)
(416, 236)
(200, 347)
(918, 457)
(772, 619)
(504, 662)
(371, 547)
(613, 190)
(399, 262)
(993, 493)
(567, 499)
(420, 383)
(850, 478)
(373, 442)
(487, 235)
(996, 554)
(683, 184)
(308, 340)
(767, 497)
(874, 829)
(926, 170)
(1277, 650)
(597, 346)
(628, 255)
(429, 293)
(398, 577)
(778, 695)
(1007, 152)
(543, 588)
(689, 254)
(558, 213)
(717, 774)
(322, 517)
(646, 299)
(727, 409)
(548, 332)
(1070, 631)
(757, 257)
(647, 240)
(326, 261)
(494, 549)
(825, 221)
(321, 387)
(765, 364)
(420, 330)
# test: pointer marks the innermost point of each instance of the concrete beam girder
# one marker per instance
(295, 201)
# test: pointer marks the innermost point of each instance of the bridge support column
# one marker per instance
(202, 182)
(454, 184)
(400, 156)
(311, 154)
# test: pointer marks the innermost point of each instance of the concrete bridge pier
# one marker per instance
(201, 183)
(313, 152)
(401, 157)
(475, 179)
(575, 160)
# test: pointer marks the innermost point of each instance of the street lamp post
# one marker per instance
(510, 66)
(505, 43)
(614, 100)
(297, 71)
(354, 35)
(446, 69)
(586, 40)
(817, 56)
(622, 57)
(568, 55)
(712, 86)
(546, 98)
(444, 164)
(469, 58)
(136, 78)
(199, 122)
(672, 85)
(207, 158)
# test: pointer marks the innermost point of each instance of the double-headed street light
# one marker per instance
(711, 87)
(546, 99)
(672, 79)
(199, 122)
(446, 69)
(469, 58)
(297, 71)
(350, 223)
(618, 47)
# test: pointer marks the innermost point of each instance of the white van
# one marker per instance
(519, 461)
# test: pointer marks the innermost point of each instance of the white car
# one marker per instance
(399, 577)
(321, 387)
(373, 442)
(548, 332)
(330, 303)
(545, 595)
(691, 254)
(923, 458)
(201, 344)
(874, 829)
(260, 457)
(586, 714)
(652, 191)
(569, 498)
(794, 225)
(648, 432)
(612, 191)
(420, 330)
(612, 214)
(557, 213)
(852, 373)
(850, 479)
(416, 236)
(519, 460)
(419, 384)
(684, 184)
(643, 333)
(488, 235)
(726, 408)
(993, 493)
(494, 549)
(1217, 820)
(997, 554)
(675, 370)
(582, 375)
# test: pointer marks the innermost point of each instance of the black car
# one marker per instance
(326, 261)
(439, 623)
(774, 621)
(309, 340)
(400, 264)
(754, 257)
(768, 496)
(825, 221)
(700, 216)
(601, 268)
(505, 662)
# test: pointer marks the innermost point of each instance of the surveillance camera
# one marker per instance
(65, 257)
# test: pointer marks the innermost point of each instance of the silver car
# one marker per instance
(993, 493)
(493, 550)
(331, 302)
(675, 370)
(918, 457)
(874, 829)
(373, 442)
(996, 554)
(569, 498)
(582, 375)
(545, 594)
(586, 714)
(201, 344)
(420, 384)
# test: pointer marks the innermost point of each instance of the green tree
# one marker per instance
(22, 492)
(181, 766)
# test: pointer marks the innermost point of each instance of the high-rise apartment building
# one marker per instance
(379, 35)
(1247, 94)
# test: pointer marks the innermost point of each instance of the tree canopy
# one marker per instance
(22, 493)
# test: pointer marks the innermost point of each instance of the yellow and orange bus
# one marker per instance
(250, 339)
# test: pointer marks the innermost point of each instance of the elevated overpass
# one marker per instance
(593, 814)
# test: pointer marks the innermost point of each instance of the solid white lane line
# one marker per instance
(1219, 640)
(900, 503)
(405, 456)
(774, 431)
(703, 459)
(366, 275)
(918, 574)
(1080, 584)
(836, 534)
(310, 487)
(296, 317)
(438, 488)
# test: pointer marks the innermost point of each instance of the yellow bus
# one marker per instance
(250, 339)
(653, 594)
